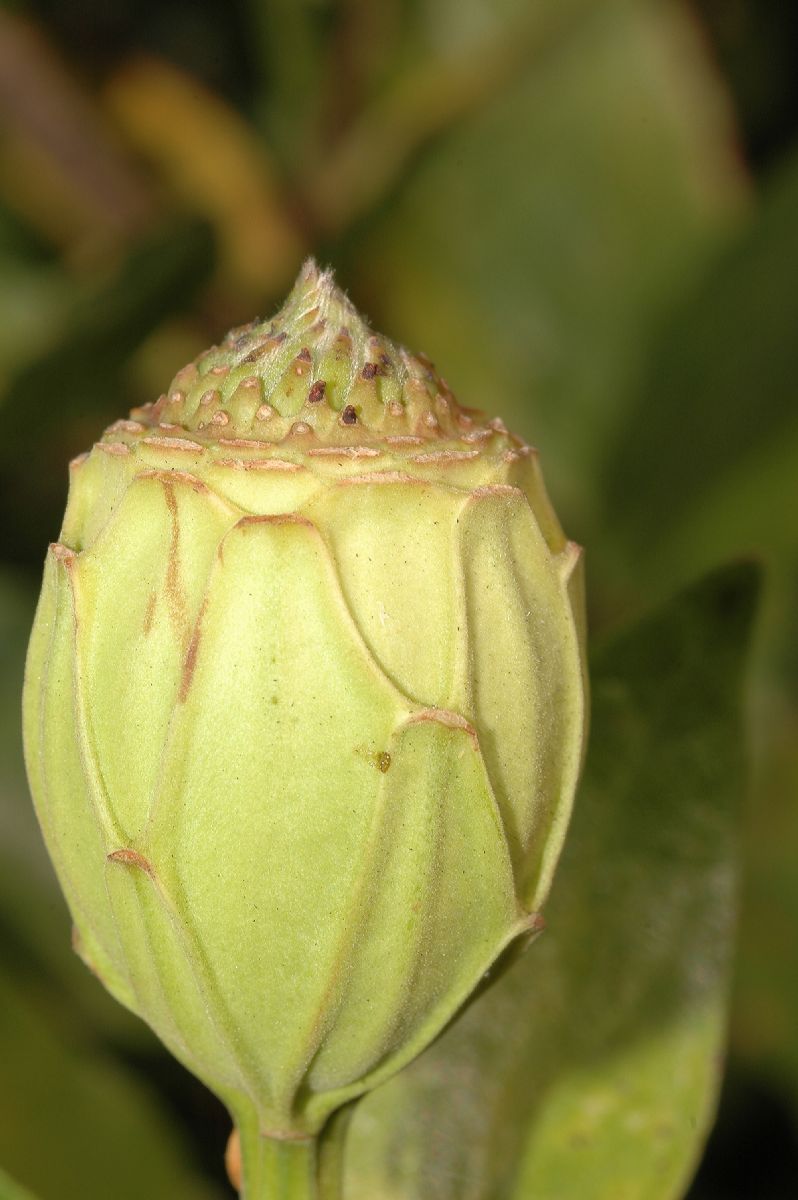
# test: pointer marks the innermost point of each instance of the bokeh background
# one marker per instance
(586, 212)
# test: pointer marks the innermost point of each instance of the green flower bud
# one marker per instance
(304, 708)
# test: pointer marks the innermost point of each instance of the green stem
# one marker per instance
(279, 1170)
(291, 1169)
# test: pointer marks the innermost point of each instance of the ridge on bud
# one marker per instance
(304, 709)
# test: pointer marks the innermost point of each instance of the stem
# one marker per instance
(291, 1169)
(279, 1170)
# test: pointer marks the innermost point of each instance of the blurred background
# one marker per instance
(586, 212)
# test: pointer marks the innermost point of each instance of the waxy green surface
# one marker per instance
(305, 708)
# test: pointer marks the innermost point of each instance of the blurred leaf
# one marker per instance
(291, 38)
(215, 163)
(59, 164)
(12, 1191)
(56, 404)
(709, 452)
(710, 456)
(73, 1124)
(34, 295)
(534, 250)
(590, 1069)
(443, 82)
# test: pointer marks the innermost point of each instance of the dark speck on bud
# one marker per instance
(349, 416)
(316, 393)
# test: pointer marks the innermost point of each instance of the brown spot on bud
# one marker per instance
(445, 457)
(242, 443)
(209, 397)
(125, 427)
(286, 518)
(349, 416)
(316, 393)
(190, 662)
(304, 355)
(369, 370)
(171, 443)
(131, 858)
(383, 761)
(443, 716)
(271, 464)
(345, 452)
(264, 413)
(220, 418)
(149, 614)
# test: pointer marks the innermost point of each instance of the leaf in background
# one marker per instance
(536, 246)
(213, 161)
(12, 1191)
(590, 1069)
(55, 405)
(715, 423)
(710, 455)
(74, 1124)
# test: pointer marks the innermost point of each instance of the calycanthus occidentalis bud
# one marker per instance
(304, 708)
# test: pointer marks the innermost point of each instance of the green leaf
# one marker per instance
(709, 450)
(12, 1191)
(533, 249)
(710, 455)
(52, 405)
(73, 1124)
(590, 1068)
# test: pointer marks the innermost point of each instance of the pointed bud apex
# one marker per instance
(304, 708)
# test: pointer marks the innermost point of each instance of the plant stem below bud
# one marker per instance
(278, 1170)
(302, 1169)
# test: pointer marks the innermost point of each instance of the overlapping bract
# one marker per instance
(303, 734)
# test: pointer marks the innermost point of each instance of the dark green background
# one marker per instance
(586, 211)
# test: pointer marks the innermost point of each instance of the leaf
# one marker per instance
(710, 454)
(12, 1191)
(710, 448)
(534, 248)
(590, 1068)
(78, 376)
(69, 1120)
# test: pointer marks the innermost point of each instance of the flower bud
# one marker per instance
(304, 708)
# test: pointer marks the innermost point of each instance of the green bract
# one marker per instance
(304, 708)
